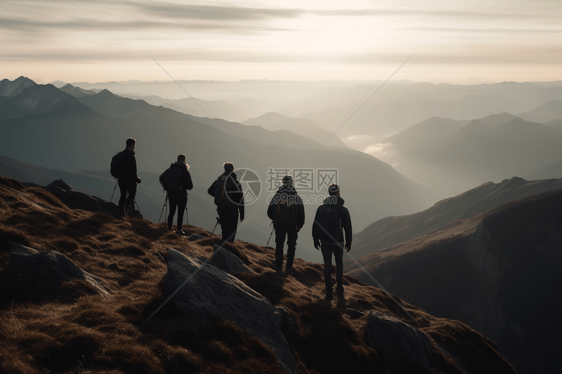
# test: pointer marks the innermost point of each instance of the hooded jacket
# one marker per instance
(345, 221)
(185, 181)
(233, 189)
(291, 192)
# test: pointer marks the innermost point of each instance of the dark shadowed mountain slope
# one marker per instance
(79, 289)
(499, 272)
(227, 110)
(307, 128)
(391, 231)
(113, 106)
(9, 88)
(37, 100)
(544, 113)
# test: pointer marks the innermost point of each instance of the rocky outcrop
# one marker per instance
(60, 184)
(228, 262)
(397, 340)
(78, 200)
(205, 292)
(40, 273)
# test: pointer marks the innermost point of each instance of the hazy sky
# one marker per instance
(459, 41)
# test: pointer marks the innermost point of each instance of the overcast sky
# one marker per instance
(462, 41)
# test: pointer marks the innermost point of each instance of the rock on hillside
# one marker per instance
(290, 326)
(391, 231)
(499, 272)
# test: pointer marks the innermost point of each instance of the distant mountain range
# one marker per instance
(396, 107)
(451, 155)
(63, 132)
(500, 272)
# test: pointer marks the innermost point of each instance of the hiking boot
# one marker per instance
(279, 270)
(289, 270)
(339, 289)
(180, 232)
(329, 295)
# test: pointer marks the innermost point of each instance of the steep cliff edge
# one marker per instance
(500, 273)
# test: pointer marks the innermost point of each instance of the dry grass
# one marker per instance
(74, 330)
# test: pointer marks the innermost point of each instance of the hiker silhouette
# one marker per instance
(176, 180)
(124, 168)
(229, 199)
(331, 219)
(286, 210)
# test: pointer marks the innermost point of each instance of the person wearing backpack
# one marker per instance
(331, 218)
(286, 210)
(229, 199)
(124, 168)
(176, 180)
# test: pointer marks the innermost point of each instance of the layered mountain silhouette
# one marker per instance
(452, 155)
(82, 290)
(84, 133)
(391, 231)
(399, 106)
(9, 88)
(307, 128)
(499, 271)
(549, 111)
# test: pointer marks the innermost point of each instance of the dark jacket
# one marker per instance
(233, 189)
(345, 220)
(292, 193)
(185, 182)
(129, 168)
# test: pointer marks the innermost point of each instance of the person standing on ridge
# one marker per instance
(128, 177)
(286, 210)
(331, 218)
(229, 199)
(176, 181)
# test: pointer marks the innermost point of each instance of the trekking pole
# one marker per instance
(137, 205)
(114, 188)
(218, 222)
(186, 216)
(269, 236)
(163, 206)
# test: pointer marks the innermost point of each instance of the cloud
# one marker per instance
(488, 31)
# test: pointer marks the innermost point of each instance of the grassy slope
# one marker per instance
(75, 330)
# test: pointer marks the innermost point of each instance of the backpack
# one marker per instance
(117, 168)
(286, 214)
(170, 179)
(327, 225)
(222, 192)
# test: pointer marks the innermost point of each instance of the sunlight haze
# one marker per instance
(456, 42)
